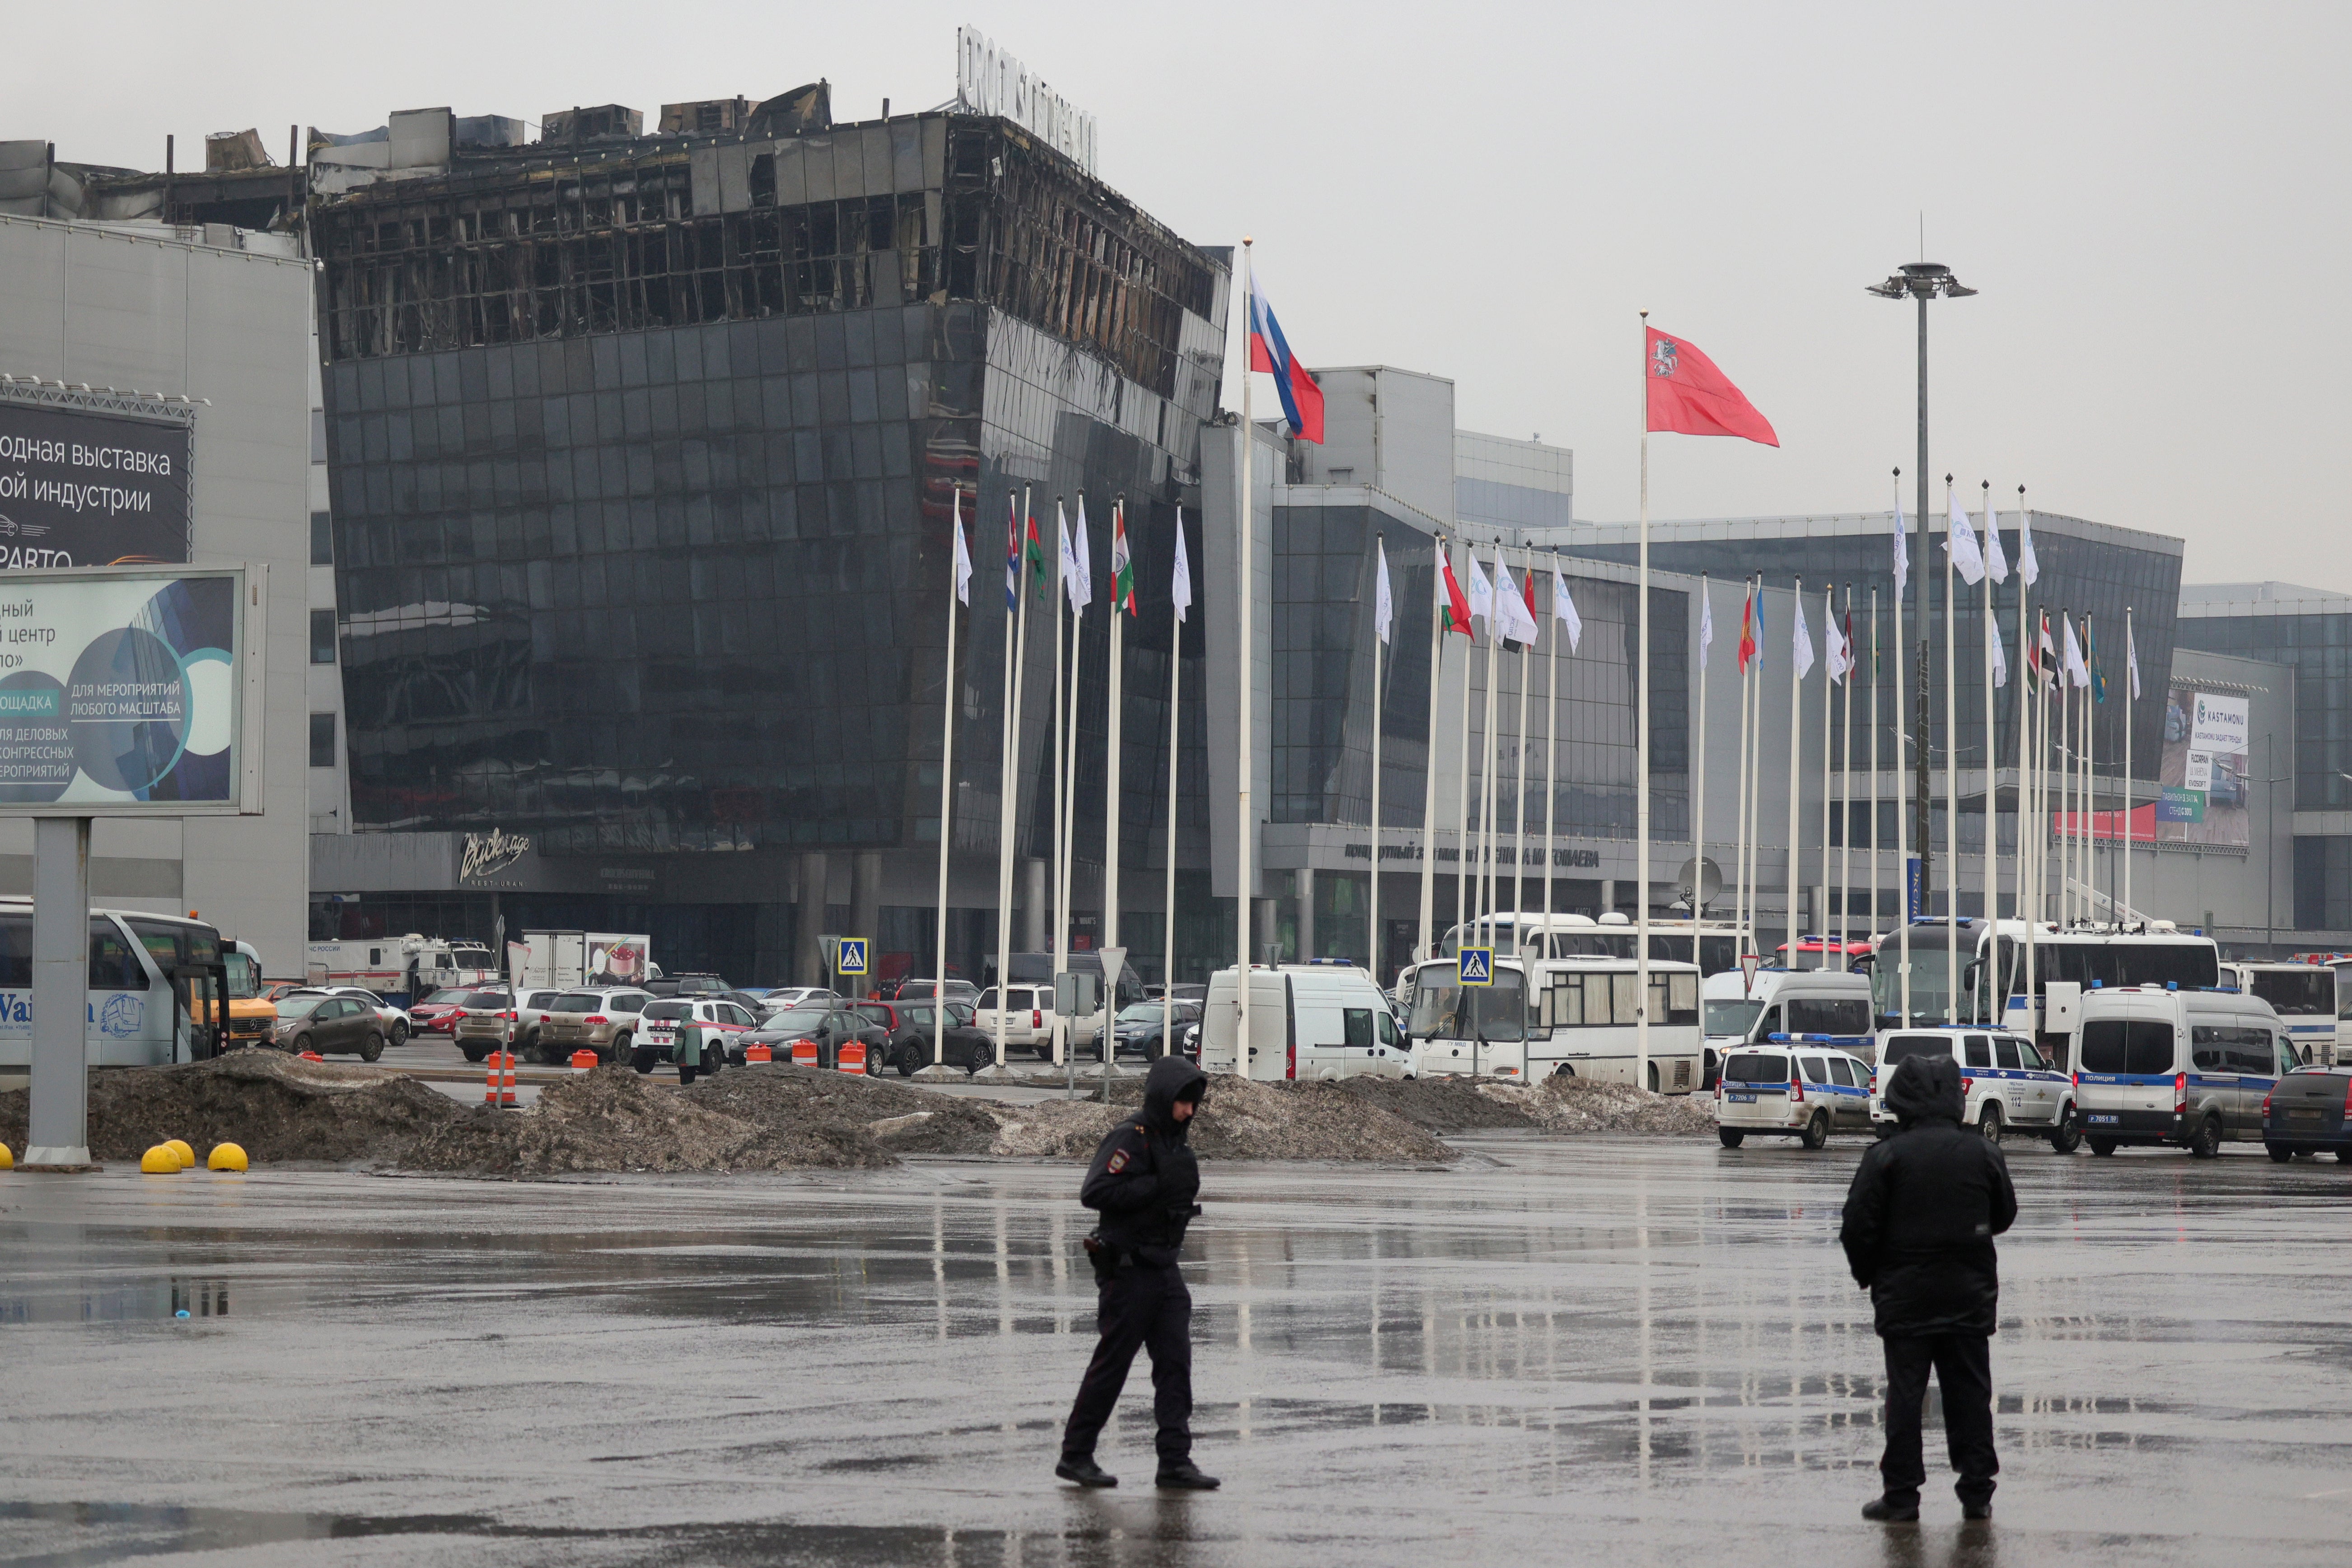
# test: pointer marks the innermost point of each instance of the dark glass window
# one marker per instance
(322, 740)
(323, 636)
(322, 538)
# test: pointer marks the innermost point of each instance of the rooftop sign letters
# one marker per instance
(990, 80)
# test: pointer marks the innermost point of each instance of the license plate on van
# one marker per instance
(2098, 1121)
(1743, 1099)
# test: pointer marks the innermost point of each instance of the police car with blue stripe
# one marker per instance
(2006, 1083)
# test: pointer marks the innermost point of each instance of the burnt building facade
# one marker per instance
(644, 451)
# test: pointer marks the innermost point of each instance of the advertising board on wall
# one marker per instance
(2202, 773)
(129, 693)
(84, 488)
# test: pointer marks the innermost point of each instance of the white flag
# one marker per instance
(2028, 569)
(1802, 649)
(1960, 543)
(1482, 594)
(1383, 607)
(1834, 654)
(2131, 657)
(1180, 589)
(2078, 674)
(1074, 586)
(1511, 612)
(963, 556)
(1085, 578)
(1705, 623)
(1902, 547)
(1563, 609)
(2000, 661)
(1996, 562)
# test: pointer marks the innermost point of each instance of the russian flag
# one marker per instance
(1302, 399)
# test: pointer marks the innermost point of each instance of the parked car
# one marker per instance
(1138, 1028)
(437, 1013)
(828, 1028)
(475, 1003)
(688, 984)
(1802, 1092)
(396, 1028)
(919, 990)
(656, 1037)
(523, 1020)
(603, 1021)
(2307, 1111)
(912, 1029)
(743, 997)
(327, 1024)
(784, 997)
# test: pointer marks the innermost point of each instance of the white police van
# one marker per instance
(2005, 1084)
(2162, 1065)
(1821, 1006)
(1796, 1089)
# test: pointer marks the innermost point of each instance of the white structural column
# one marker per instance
(1796, 711)
(1245, 885)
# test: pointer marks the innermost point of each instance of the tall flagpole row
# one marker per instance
(1244, 884)
(1845, 787)
(1372, 884)
(1422, 945)
(1796, 743)
(946, 793)
(1551, 745)
(1641, 760)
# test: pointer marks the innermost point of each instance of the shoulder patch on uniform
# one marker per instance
(1118, 1162)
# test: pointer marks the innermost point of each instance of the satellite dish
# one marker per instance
(1699, 877)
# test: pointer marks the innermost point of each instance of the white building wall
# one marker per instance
(138, 308)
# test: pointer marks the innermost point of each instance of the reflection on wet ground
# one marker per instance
(1561, 1349)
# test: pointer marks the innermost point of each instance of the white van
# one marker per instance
(1573, 1017)
(2166, 1066)
(1821, 1007)
(1306, 1021)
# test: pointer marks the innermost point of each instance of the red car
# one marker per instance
(438, 1013)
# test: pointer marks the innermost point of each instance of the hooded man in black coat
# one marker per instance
(1143, 1183)
(1919, 1223)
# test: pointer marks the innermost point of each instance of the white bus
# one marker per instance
(1993, 966)
(1572, 1016)
(1610, 936)
(2304, 997)
(159, 986)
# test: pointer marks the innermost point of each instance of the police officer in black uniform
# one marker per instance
(1143, 1184)
(1918, 1228)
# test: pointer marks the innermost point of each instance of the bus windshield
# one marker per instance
(1444, 1009)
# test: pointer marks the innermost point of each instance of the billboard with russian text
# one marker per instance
(80, 488)
(126, 693)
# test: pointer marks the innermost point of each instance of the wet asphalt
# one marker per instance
(1560, 1350)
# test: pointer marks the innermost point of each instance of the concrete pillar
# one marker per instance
(808, 922)
(1034, 939)
(865, 914)
(1264, 912)
(1307, 951)
(1608, 895)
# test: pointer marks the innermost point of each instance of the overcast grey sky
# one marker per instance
(2152, 197)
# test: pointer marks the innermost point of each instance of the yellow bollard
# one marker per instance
(227, 1157)
(7, 1160)
(187, 1155)
(159, 1161)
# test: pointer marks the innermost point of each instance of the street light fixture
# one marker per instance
(1923, 281)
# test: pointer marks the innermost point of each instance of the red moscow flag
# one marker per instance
(1688, 395)
(1456, 608)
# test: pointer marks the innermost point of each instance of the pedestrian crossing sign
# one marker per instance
(852, 960)
(1477, 966)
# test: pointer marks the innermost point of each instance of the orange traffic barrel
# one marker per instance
(758, 1053)
(582, 1060)
(499, 1089)
(803, 1053)
(852, 1057)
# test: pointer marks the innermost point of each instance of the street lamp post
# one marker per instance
(1923, 281)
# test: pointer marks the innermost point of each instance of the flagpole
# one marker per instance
(1641, 758)
(1114, 744)
(1756, 778)
(1066, 1032)
(1829, 704)
(1486, 888)
(1845, 789)
(1178, 599)
(1902, 800)
(1429, 765)
(1060, 901)
(1951, 779)
(2131, 677)
(1870, 925)
(947, 794)
(1699, 769)
(2066, 780)
(1551, 745)
(1373, 917)
(1796, 709)
(1010, 789)
(1519, 785)
(1248, 626)
(1739, 808)
(2091, 765)
(1993, 817)
(1462, 912)
(2028, 695)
